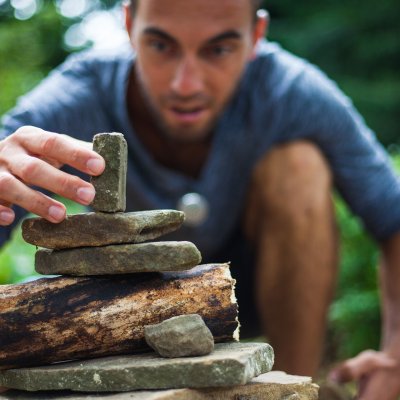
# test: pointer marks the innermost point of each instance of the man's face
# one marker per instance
(190, 57)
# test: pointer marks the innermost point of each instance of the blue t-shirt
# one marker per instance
(280, 98)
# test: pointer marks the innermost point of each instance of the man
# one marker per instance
(208, 107)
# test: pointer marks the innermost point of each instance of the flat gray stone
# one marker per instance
(229, 364)
(273, 385)
(100, 229)
(111, 184)
(181, 336)
(118, 259)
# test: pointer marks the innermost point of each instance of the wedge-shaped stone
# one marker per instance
(118, 259)
(180, 336)
(111, 184)
(229, 364)
(100, 229)
(273, 385)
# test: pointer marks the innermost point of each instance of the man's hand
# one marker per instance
(376, 373)
(32, 156)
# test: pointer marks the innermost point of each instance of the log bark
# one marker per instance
(59, 319)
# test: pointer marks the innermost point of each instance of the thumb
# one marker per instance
(363, 364)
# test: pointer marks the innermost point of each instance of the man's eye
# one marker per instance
(219, 51)
(158, 46)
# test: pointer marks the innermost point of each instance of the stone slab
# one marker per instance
(229, 364)
(100, 229)
(110, 186)
(180, 336)
(273, 385)
(118, 259)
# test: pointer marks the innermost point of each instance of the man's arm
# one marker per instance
(32, 157)
(378, 372)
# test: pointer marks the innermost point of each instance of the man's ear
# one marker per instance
(260, 28)
(128, 19)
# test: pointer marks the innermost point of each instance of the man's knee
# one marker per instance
(292, 181)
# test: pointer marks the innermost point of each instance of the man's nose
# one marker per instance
(188, 79)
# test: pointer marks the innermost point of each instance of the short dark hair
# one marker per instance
(256, 4)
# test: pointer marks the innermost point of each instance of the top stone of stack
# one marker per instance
(110, 186)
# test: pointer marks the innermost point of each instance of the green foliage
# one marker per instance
(16, 260)
(31, 48)
(28, 51)
(355, 313)
(357, 47)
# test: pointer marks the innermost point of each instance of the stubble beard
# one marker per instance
(182, 135)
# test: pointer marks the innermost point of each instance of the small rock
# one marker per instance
(110, 186)
(100, 229)
(118, 259)
(181, 336)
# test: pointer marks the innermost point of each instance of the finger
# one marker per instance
(34, 171)
(60, 147)
(16, 192)
(7, 215)
(54, 163)
(365, 363)
(5, 203)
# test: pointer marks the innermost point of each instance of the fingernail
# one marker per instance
(95, 166)
(86, 194)
(56, 213)
(6, 217)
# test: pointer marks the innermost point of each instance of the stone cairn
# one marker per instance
(119, 296)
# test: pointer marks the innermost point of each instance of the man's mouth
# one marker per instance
(192, 114)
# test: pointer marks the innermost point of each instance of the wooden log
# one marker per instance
(58, 319)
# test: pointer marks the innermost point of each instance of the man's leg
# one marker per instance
(291, 222)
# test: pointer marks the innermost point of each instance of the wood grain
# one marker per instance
(65, 318)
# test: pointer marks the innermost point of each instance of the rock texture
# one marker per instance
(100, 229)
(270, 386)
(118, 259)
(181, 336)
(111, 184)
(229, 364)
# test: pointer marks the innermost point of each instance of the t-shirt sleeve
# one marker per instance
(362, 170)
(310, 106)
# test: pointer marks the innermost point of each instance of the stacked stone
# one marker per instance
(186, 363)
(108, 240)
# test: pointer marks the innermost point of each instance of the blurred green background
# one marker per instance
(357, 44)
